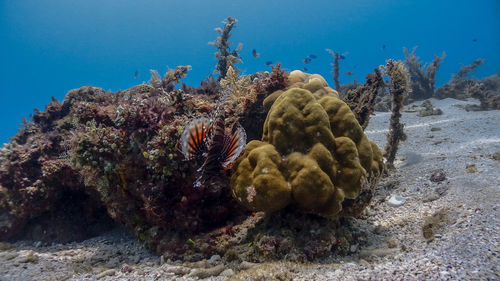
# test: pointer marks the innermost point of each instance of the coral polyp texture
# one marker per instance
(313, 156)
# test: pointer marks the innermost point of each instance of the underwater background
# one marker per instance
(49, 47)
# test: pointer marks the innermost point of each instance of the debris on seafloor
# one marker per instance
(438, 176)
(427, 109)
(471, 168)
(495, 156)
(436, 223)
(396, 201)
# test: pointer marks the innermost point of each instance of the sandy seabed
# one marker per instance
(448, 173)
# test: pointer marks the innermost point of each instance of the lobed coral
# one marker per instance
(312, 156)
(314, 83)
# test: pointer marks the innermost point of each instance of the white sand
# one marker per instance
(466, 244)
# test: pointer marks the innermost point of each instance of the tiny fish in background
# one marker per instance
(383, 47)
(306, 60)
(349, 73)
(304, 68)
(269, 62)
(312, 56)
(136, 74)
(474, 40)
(414, 78)
(255, 54)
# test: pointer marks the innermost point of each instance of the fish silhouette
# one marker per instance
(255, 54)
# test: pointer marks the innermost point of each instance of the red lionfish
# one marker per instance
(207, 140)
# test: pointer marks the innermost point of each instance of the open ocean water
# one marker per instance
(49, 47)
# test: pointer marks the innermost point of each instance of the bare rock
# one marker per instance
(207, 272)
(434, 225)
(244, 265)
(438, 176)
(106, 273)
(471, 168)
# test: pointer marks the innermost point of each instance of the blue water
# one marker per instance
(49, 47)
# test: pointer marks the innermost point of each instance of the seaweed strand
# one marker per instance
(225, 56)
(336, 68)
(423, 76)
(398, 85)
(362, 99)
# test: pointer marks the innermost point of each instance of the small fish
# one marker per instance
(414, 78)
(255, 54)
(304, 68)
(269, 62)
(474, 40)
(349, 73)
(136, 74)
(313, 56)
(306, 60)
(383, 47)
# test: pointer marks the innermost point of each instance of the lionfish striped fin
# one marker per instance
(193, 138)
(233, 146)
(215, 143)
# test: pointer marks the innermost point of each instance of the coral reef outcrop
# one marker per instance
(487, 91)
(312, 156)
(119, 151)
(100, 156)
